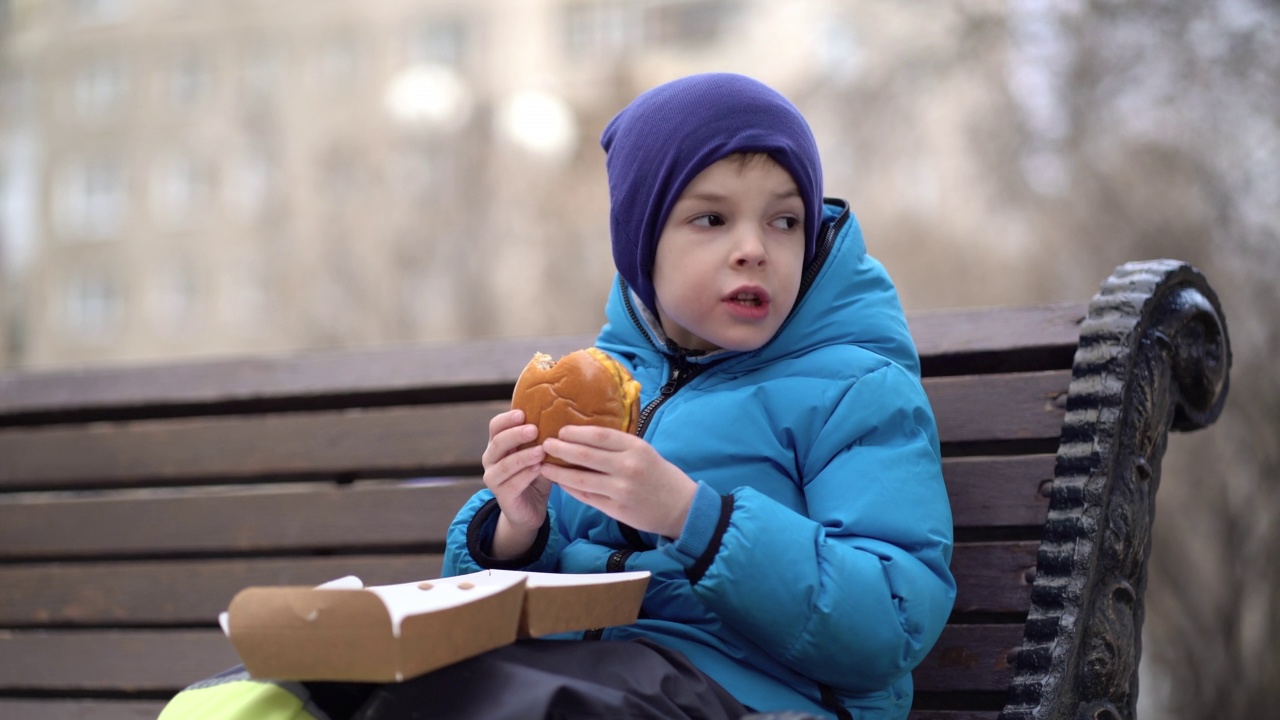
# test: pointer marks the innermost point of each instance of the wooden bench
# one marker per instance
(134, 502)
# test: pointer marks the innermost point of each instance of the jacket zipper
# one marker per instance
(682, 373)
(822, 251)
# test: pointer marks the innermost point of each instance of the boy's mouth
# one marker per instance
(753, 297)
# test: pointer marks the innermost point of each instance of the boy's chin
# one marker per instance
(741, 342)
(738, 339)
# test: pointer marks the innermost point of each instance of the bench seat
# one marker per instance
(136, 501)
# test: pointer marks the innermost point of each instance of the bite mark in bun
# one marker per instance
(585, 387)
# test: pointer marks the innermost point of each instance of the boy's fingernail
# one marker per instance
(530, 431)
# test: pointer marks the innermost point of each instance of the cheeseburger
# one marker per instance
(585, 387)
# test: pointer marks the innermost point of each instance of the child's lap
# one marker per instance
(529, 679)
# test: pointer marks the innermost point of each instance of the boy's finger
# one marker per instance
(525, 458)
(522, 478)
(581, 478)
(597, 437)
(596, 500)
(505, 420)
(574, 453)
(504, 444)
(511, 438)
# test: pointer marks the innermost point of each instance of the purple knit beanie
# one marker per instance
(656, 145)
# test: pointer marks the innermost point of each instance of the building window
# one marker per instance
(250, 181)
(91, 306)
(610, 29)
(600, 28)
(98, 11)
(91, 199)
(173, 302)
(19, 202)
(440, 41)
(188, 82)
(340, 63)
(262, 74)
(179, 187)
(243, 302)
(686, 23)
(99, 88)
(340, 59)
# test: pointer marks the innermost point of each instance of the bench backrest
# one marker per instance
(135, 502)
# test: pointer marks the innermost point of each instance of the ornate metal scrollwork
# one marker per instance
(1154, 355)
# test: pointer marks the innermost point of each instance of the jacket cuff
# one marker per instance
(480, 540)
(705, 525)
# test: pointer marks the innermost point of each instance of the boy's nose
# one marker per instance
(749, 250)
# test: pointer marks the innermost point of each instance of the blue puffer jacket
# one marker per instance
(812, 573)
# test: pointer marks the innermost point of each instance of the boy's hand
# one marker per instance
(624, 477)
(514, 478)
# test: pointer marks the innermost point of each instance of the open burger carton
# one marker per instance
(345, 631)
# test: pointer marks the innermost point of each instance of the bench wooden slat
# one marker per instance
(176, 592)
(967, 657)
(999, 492)
(970, 658)
(994, 577)
(993, 408)
(391, 441)
(425, 373)
(423, 440)
(985, 492)
(111, 660)
(439, 372)
(401, 516)
(942, 336)
(991, 579)
(82, 709)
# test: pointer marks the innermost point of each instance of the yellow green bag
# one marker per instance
(232, 695)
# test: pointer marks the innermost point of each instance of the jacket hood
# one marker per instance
(846, 298)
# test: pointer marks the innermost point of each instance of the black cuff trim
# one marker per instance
(480, 540)
(700, 566)
(633, 537)
(832, 703)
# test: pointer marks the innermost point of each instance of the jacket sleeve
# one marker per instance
(470, 538)
(855, 593)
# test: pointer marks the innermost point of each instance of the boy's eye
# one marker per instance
(708, 220)
(787, 222)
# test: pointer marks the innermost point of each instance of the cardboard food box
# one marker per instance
(389, 633)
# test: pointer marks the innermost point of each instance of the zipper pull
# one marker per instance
(669, 388)
(679, 366)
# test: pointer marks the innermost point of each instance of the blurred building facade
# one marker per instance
(187, 179)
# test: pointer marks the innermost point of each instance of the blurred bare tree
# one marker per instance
(1171, 147)
(1094, 133)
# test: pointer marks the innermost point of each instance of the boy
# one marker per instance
(785, 486)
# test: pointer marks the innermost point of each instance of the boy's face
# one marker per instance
(729, 259)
